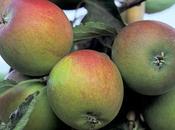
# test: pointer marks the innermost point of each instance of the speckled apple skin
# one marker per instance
(35, 37)
(85, 82)
(159, 114)
(134, 51)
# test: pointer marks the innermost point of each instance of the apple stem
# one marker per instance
(31, 81)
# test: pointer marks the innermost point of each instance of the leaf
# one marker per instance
(99, 27)
(94, 35)
(19, 118)
(6, 84)
(92, 30)
(104, 11)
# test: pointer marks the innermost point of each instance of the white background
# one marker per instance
(166, 16)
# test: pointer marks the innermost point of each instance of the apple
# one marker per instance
(159, 114)
(85, 90)
(134, 14)
(144, 53)
(42, 117)
(153, 6)
(35, 35)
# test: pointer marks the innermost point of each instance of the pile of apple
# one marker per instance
(84, 88)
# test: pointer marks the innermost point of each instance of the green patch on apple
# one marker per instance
(159, 114)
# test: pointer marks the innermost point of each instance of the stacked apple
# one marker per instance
(85, 88)
(39, 38)
(144, 52)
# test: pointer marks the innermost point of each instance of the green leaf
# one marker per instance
(104, 11)
(19, 118)
(1, 77)
(6, 84)
(92, 30)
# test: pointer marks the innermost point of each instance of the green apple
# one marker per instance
(144, 52)
(85, 90)
(153, 6)
(159, 115)
(42, 117)
(35, 35)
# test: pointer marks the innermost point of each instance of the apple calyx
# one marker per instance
(92, 120)
(159, 60)
(3, 19)
(5, 16)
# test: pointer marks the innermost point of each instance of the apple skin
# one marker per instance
(66, 4)
(35, 39)
(42, 117)
(3, 4)
(153, 6)
(159, 114)
(85, 90)
(137, 50)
